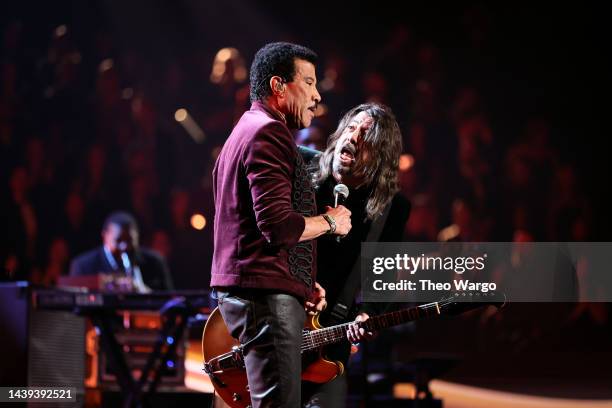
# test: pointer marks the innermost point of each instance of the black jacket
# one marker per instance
(155, 273)
(335, 260)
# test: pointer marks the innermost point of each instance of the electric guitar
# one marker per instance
(224, 360)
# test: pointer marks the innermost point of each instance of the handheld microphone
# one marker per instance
(133, 271)
(127, 263)
(341, 192)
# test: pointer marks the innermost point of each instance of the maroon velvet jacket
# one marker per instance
(255, 223)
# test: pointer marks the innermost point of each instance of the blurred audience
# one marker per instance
(85, 131)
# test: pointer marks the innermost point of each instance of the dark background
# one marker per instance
(502, 109)
(90, 141)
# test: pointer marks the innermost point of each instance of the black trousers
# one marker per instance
(328, 395)
(270, 325)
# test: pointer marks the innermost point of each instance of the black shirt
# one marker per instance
(335, 260)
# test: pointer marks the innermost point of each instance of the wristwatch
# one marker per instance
(332, 223)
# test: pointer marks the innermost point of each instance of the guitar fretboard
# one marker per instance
(334, 334)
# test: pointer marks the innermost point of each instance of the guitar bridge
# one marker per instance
(231, 359)
(211, 373)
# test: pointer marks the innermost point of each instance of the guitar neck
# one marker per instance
(334, 334)
(402, 316)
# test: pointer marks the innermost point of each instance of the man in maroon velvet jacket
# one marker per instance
(264, 263)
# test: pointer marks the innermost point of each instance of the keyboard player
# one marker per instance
(120, 255)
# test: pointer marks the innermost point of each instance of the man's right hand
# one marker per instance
(342, 216)
(316, 226)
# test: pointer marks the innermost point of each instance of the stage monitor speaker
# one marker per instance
(39, 348)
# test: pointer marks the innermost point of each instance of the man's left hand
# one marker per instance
(355, 334)
(318, 302)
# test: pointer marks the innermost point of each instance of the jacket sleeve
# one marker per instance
(269, 164)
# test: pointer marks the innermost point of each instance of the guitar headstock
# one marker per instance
(460, 302)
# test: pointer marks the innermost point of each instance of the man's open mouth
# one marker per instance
(347, 154)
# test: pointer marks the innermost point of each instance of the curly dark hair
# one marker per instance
(276, 59)
(383, 143)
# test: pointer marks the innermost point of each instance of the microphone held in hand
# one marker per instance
(341, 192)
(127, 263)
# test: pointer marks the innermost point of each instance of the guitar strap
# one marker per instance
(342, 307)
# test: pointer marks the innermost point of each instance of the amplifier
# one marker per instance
(39, 347)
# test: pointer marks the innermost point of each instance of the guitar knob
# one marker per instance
(236, 397)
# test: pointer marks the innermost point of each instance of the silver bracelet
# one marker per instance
(332, 223)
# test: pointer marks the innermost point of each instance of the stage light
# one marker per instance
(105, 65)
(449, 233)
(218, 71)
(406, 162)
(193, 129)
(61, 30)
(198, 221)
(225, 53)
(219, 68)
(180, 115)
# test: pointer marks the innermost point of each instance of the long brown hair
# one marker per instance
(382, 143)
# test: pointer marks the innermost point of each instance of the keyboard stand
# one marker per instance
(176, 314)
